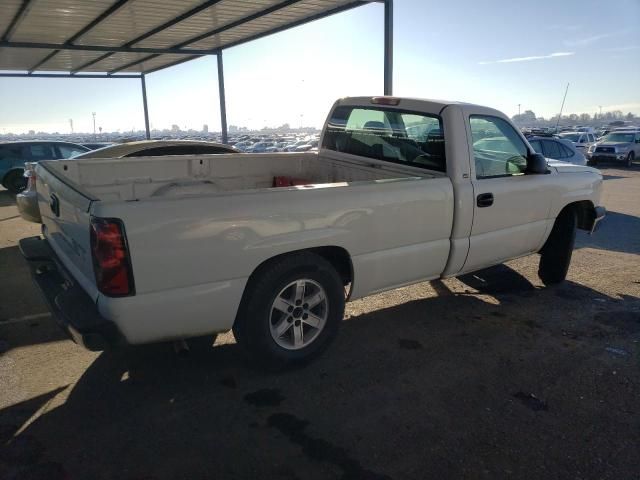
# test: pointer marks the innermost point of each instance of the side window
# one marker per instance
(568, 153)
(11, 154)
(536, 145)
(385, 134)
(69, 151)
(551, 149)
(150, 152)
(498, 150)
(41, 151)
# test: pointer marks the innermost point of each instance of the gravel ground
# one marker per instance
(489, 376)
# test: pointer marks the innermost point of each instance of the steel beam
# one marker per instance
(224, 28)
(106, 48)
(172, 64)
(17, 18)
(223, 103)
(143, 83)
(65, 75)
(108, 12)
(388, 47)
(153, 31)
(297, 23)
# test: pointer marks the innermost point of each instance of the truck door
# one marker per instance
(510, 207)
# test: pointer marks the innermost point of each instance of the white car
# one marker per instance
(272, 245)
(581, 140)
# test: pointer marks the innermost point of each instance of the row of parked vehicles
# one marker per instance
(620, 145)
(261, 145)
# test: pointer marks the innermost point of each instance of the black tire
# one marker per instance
(555, 255)
(592, 162)
(629, 161)
(15, 181)
(252, 328)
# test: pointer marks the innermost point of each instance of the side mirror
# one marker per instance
(536, 164)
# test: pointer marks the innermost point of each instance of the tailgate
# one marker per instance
(66, 224)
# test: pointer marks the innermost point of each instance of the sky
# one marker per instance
(498, 53)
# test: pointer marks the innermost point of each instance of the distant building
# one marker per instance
(175, 128)
(205, 128)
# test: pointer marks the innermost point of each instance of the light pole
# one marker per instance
(600, 114)
(94, 124)
(518, 109)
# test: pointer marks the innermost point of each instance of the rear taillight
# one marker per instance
(111, 262)
(31, 179)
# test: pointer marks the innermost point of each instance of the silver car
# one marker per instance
(28, 200)
(557, 149)
(621, 145)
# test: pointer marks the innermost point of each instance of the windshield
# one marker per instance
(574, 137)
(619, 137)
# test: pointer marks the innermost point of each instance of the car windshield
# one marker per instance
(619, 137)
(574, 137)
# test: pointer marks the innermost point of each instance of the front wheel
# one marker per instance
(15, 181)
(291, 311)
(555, 255)
(629, 161)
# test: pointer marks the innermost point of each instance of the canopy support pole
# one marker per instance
(388, 47)
(144, 105)
(223, 103)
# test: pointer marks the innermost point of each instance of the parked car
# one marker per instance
(581, 140)
(313, 144)
(28, 202)
(617, 146)
(13, 156)
(157, 249)
(260, 147)
(557, 149)
(292, 146)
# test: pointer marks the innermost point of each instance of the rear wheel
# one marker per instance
(555, 255)
(15, 181)
(292, 310)
(630, 158)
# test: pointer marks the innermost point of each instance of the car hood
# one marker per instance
(566, 167)
(613, 144)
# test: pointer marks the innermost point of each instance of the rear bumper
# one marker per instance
(27, 202)
(75, 312)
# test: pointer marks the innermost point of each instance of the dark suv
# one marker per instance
(13, 156)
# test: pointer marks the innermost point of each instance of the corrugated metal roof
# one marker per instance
(115, 35)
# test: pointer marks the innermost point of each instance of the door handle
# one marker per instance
(484, 200)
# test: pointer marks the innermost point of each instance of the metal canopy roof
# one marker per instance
(140, 36)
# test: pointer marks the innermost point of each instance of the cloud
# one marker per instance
(625, 48)
(528, 59)
(585, 41)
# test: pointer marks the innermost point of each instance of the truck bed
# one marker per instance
(147, 177)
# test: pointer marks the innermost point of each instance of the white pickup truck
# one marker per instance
(271, 245)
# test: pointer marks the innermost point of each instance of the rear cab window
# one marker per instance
(392, 135)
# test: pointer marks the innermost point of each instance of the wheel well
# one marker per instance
(585, 213)
(20, 170)
(338, 257)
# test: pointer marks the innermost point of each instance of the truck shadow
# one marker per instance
(428, 371)
(619, 233)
